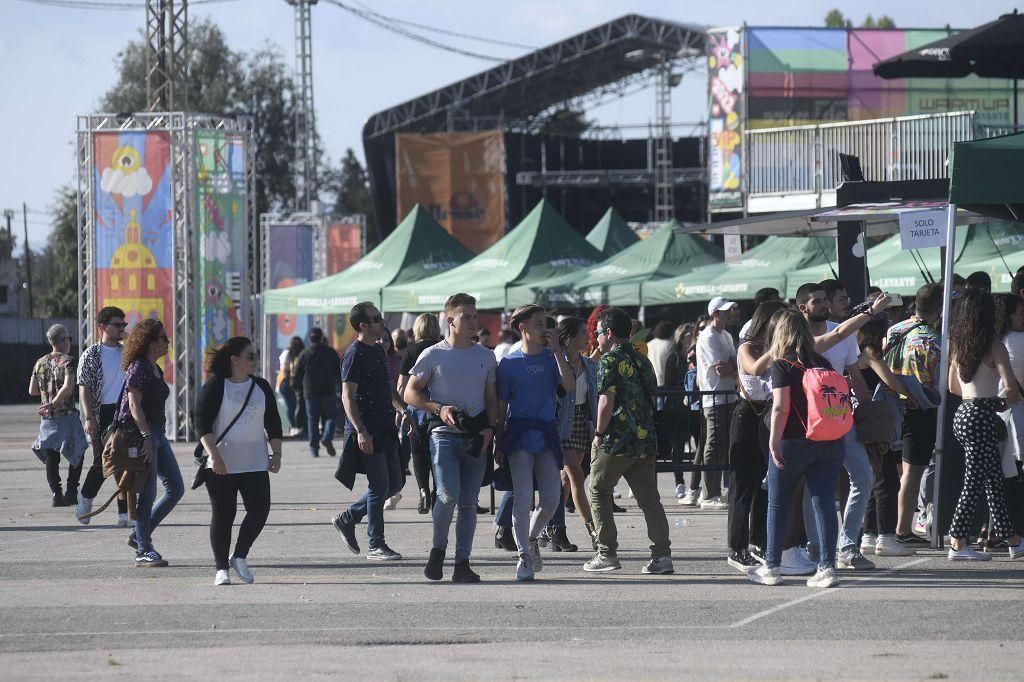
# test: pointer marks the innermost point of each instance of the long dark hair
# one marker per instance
(1006, 306)
(871, 335)
(218, 361)
(137, 344)
(972, 331)
(568, 328)
(758, 332)
(295, 347)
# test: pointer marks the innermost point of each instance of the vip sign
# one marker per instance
(922, 229)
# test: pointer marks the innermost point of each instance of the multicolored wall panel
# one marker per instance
(726, 116)
(291, 263)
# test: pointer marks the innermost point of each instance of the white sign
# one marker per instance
(733, 248)
(922, 229)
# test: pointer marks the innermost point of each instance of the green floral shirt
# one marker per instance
(630, 433)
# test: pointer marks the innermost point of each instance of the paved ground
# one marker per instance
(72, 604)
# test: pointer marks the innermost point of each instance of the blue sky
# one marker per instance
(58, 62)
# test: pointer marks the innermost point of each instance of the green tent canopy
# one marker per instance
(986, 176)
(765, 265)
(418, 248)
(617, 281)
(611, 234)
(543, 245)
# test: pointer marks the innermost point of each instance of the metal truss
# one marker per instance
(584, 63)
(607, 178)
(166, 56)
(181, 127)
(305, 114)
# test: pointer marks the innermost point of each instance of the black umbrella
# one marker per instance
(994, 50)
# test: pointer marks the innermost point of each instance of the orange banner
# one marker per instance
(459, 178)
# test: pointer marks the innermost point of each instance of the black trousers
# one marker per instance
(747, 470)
(53, 473)
(254, 487)
(419, 442)
(94, 477)
(883, 507)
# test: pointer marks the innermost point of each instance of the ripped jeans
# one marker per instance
(457, 475)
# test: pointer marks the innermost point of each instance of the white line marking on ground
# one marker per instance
(821, 593)
(39, 538)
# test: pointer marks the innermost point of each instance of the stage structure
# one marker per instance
(166, 229)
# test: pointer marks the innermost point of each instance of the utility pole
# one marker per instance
(166, 57)
(28, 258)
(9, 240)
(305, 116)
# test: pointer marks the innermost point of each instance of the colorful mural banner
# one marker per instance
(290, 263)
(809, 75)
(726, 117)
(221, 234)
(459, 178)
(344, 248)
(134, 235)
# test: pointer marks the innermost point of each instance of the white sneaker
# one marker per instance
(83, 507)
(691, 498)
(795, 561)
(1017, 552)
(242, 569)
(524, 569)
(825, 577)
(921, 525)
(680, 490)
(392, 502)
(223, 578)
(766, 576)
(616, 495)
(968, 554)
(122, 520)
(629, 492)
(538, 563)
(888, 545)
(867, 543)
(713, 503)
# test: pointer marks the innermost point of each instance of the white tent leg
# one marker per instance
(941, 382)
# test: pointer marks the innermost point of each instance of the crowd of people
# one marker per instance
(813, 424)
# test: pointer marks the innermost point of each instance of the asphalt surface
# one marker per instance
(73, 605)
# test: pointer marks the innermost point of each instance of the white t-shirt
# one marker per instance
(457, 376)
(1014, 342)
(844, 353)
(282, 359)
(581, 385)
(745, 329)
(503, 349)
(244, 448)
(113, 375)
(658, 352)
(714, 347)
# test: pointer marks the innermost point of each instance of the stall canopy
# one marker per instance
(617, 281)
(611, 234)
(764, 265)
(986, 177)
(542, 246)
(418, 248)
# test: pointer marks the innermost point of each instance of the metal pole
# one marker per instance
(941, 381)
(28, 258)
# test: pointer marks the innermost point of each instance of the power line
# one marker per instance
(444, 31)
(362, 14)
(102, 5)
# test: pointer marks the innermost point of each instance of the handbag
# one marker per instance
(875, 422)
(200, 457)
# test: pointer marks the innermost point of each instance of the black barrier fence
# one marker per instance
(693, 429)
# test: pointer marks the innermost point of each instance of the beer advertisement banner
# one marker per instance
(725, 118)
(459, 178)
(292, 263)
(221, 226)
(134, 235)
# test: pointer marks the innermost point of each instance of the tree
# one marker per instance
(835, 19)
(59, 260)
(885, 21)
(348, 189)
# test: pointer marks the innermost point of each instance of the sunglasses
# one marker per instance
(598, 332)
(119, 325)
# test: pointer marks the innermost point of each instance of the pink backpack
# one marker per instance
(829, 410)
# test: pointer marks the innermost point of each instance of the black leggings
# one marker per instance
(747, 462)
(223, 490)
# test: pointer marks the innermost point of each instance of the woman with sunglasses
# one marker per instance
(235, 422)
(143, 405)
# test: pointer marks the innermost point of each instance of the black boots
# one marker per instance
(503, 539)
(424, 507)
(435, 565)
(463, 573)
(558, 540)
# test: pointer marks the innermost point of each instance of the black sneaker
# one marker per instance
(757, 552)
(504, 539)
(132, 542)
(617, 509)
(463, 573)
(314, 453)
(149, 559)
(329, 447)
(58, 500)
(743, 562)
(347, 530)
(435, 565)
(383, 553)
(71, 497)
(911, 540)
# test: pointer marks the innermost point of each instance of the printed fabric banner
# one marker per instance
(459, 178)
(291, 262)
(344, 248)
(134, 232)
(725, 118)
(221, 226)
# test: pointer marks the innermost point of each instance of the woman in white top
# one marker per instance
(978, 360)
(239, 460)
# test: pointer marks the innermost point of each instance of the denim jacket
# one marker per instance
(567, 404)
(925, 398)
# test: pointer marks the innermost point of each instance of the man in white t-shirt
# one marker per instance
(716, 371)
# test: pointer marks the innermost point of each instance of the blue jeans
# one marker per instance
(458, 475)
(147, 514)
(326, 407)
(288, 395)
(819, 462)
(527, 469)
(384, 478)
(855, 459)
(504, 514)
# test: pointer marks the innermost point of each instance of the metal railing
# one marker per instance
(682, 427)
(805, 159)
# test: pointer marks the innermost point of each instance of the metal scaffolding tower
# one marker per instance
(664, 192)
(166, 56)
(305, 116)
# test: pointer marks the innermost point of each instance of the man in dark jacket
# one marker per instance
(318, 370)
